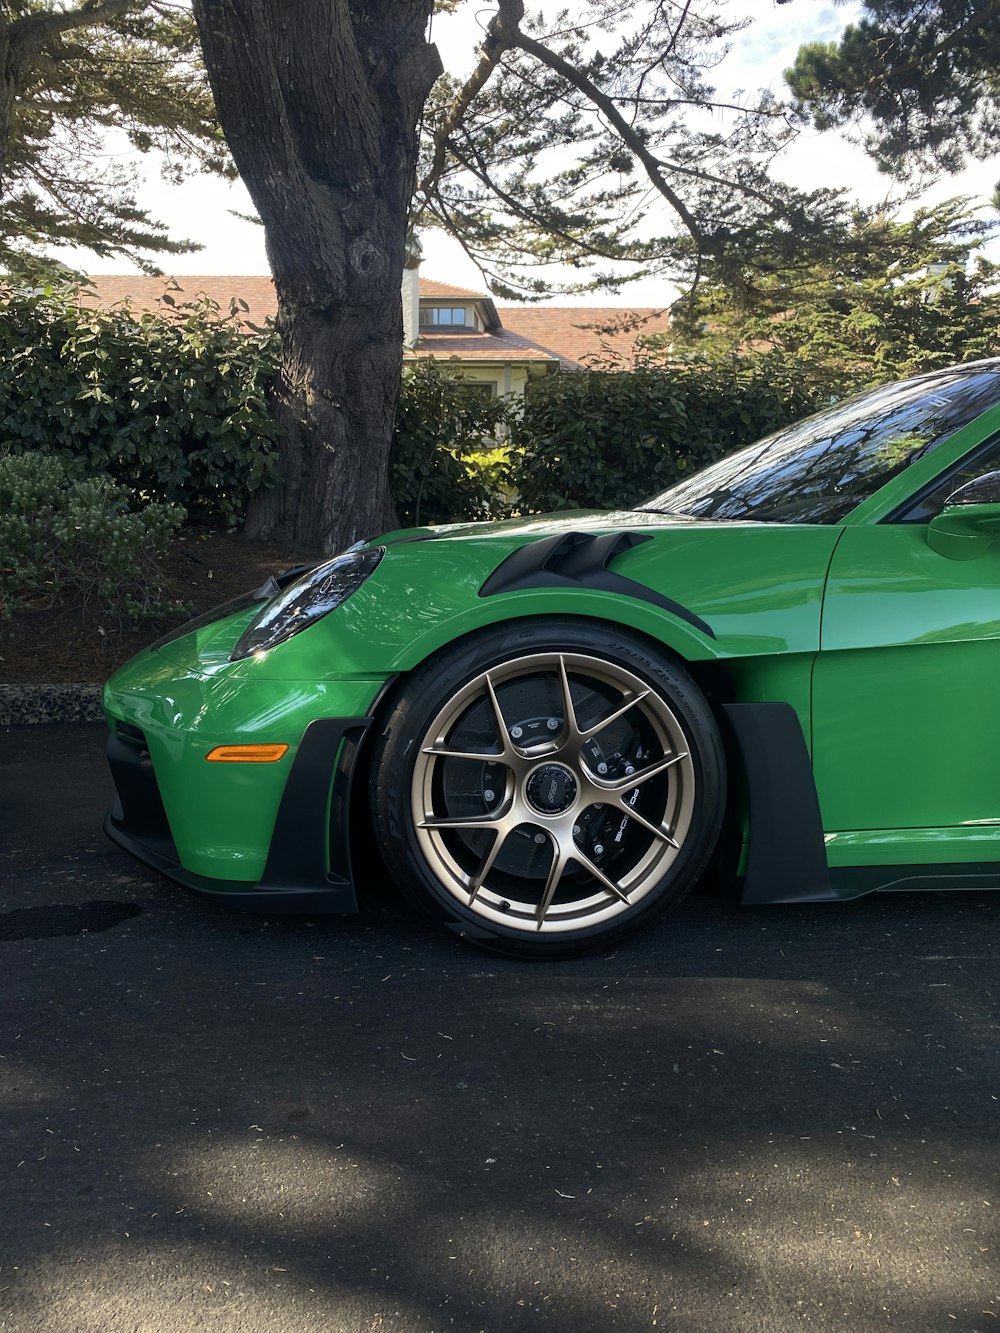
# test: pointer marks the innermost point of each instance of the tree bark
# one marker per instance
(320, 101)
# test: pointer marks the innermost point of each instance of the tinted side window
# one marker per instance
(820, 469)
(921, 510)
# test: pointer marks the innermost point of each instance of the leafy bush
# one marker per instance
(609, 439)
(60, 535)
(172, 404)
(447, 462)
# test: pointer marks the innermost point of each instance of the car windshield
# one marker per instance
(820, 469)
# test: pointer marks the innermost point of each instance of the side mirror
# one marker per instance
(969, 521)
(982, 490)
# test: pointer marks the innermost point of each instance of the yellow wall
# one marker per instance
(517, 375)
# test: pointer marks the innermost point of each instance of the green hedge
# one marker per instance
(609, 439)
(171, 404)
(174, 405)
(448, 463)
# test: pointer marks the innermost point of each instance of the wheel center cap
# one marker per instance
(551, 789)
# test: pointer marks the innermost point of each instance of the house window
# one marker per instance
(444, 317)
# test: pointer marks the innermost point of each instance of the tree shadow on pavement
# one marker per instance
(743, 1119)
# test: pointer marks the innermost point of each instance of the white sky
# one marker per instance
(202, 209)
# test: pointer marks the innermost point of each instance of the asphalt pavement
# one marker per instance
(743, 1120)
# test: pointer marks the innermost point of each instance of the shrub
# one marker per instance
(172, 404)
(609, 439)
(60, 536)
(447, 461)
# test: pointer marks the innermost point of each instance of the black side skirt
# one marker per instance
(786, 860)
(295, 878)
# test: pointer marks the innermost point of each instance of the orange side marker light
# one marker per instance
(246, 754)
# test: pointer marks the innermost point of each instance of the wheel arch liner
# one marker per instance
(311, 827)
(786, 859)
(580, 560)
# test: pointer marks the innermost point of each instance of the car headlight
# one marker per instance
(306, 600)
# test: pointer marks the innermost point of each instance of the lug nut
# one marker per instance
(629, 770)
(488, 794)
(553, 724)
(577, 830)
(602, 768)
(539, 837)
(516, 733)
(598, 848)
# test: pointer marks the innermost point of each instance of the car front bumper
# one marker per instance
(267, 836)
(308, 866)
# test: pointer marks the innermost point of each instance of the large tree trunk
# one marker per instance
(320, 101)
(335, 409)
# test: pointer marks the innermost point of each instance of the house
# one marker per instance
(500, 349)
(452, 324)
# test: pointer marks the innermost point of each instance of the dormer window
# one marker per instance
(446, 317)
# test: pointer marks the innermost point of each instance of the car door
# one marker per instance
(906, 728)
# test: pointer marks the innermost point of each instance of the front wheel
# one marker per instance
(548, 786)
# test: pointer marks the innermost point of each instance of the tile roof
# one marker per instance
(572, 335)
(584, 335)
(428, 287)
(144, 292)
(500, 346)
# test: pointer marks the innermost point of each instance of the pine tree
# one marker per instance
(922, 76)
(69, 75)
(903, 296)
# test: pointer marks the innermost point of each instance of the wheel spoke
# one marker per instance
(491, 821)
(629, 704)
(569, 711)
(559, 860)
(442, 751)
(657, 830)
(505, 741)
(477, 880)
(621, 785)
(599, 875)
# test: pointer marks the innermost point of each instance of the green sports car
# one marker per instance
(549, 728)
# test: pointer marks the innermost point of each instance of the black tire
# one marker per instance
(576, 824)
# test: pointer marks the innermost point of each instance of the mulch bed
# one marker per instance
(203, 567)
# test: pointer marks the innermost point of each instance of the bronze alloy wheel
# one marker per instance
(548, 785)
(552, 791)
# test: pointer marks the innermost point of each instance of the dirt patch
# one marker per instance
(69, 642)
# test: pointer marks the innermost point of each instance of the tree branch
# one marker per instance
(662, 55)
(500, 32)
(29, 34)
(985, 14)
(605, 104)
(979, 19)
(480, 170)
